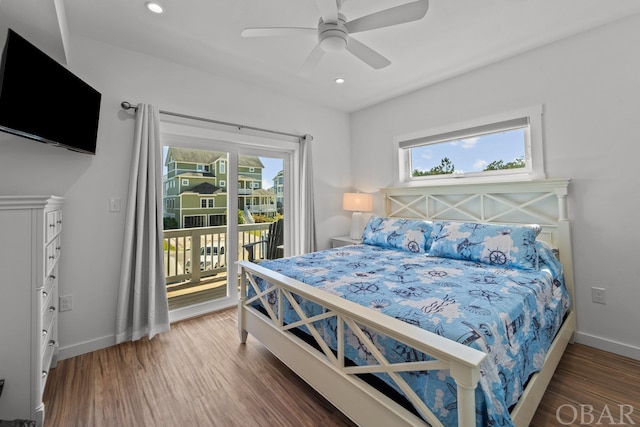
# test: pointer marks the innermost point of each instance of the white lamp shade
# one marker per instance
(357, 202)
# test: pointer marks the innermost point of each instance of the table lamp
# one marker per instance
(358, 203)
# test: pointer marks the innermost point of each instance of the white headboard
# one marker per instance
(528, 202)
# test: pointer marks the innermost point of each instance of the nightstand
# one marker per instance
(338, 241)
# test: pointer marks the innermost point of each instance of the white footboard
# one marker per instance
(326, 371)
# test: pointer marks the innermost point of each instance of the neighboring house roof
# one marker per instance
(190, 155)
(250, 161)
(204, 188)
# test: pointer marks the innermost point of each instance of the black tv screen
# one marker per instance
(42, 100)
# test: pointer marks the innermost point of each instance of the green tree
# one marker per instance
(500, 164)
(169, 223)
(445, 167)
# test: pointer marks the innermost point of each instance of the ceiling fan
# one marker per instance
(334, 31)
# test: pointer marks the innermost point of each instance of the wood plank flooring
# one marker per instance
(198, 374)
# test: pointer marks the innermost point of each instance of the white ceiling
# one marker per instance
(455, 36)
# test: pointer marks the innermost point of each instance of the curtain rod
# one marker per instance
(128, 106)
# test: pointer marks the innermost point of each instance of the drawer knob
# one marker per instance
(52, 309)
(52, 343)
(52, 277)
(44, 332)
(44, 374)
(44, 294)
(52, 225)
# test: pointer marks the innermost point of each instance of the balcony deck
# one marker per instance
(204, 247)
(182, 295)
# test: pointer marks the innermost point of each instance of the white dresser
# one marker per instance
(30, 247)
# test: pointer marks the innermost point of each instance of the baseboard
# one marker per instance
(196, 310)
(608, 345)
(110, 340)
(86, 347)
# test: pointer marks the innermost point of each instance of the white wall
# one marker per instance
(589, 86)
(92, 236)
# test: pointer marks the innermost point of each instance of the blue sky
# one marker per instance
(471, 154)
(271, 169)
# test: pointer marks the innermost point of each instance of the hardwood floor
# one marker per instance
(198, 374)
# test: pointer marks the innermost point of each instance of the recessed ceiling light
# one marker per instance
(339, 80)
(154, 7)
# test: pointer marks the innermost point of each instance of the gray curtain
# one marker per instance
(307, 211)
(142, 298)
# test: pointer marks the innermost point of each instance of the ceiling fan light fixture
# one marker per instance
(333, 43)
(339, 80)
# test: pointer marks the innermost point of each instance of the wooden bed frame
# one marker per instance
(540, 202)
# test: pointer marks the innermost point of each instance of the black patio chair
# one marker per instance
(273, 244)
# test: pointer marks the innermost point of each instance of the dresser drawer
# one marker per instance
(49, 320)
(50, 281)
(46, 360)
(52, 254)
(49, 312)
(53, 223)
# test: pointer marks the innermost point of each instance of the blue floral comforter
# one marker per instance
(510, 314)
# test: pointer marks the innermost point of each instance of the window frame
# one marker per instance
(534, 159)
(210, 202)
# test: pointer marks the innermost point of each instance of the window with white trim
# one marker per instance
(223, 183)
(191, 221)
(207, 203)
(505, 147)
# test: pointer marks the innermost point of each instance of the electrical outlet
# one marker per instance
(598, 295)
(66, 303)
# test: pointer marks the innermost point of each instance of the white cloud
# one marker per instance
(469, 142)
(466, 143)
(426, 154)
(479, 165)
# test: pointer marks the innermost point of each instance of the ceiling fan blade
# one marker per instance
(385, 18)
(328, 10)
(278, 32)
(312, 61)
(366, 54)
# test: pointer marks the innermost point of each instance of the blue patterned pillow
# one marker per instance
(409, 235)
(507, 245)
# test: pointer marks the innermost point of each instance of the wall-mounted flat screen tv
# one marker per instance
(42, 100)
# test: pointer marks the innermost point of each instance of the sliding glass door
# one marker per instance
(222, 202)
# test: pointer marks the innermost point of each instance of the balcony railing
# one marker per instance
(196, 254)
(261, 208)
